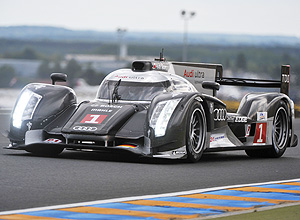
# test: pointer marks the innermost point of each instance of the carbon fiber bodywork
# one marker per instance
(117, 120)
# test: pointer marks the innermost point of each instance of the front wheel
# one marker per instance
(196, 132)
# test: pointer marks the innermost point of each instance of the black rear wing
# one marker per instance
(283, 84)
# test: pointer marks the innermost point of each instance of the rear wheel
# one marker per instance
(280, 135)
(196, 132)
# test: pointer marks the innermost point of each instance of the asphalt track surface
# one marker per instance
(27, 181)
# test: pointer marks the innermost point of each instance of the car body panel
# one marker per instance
(145, 110)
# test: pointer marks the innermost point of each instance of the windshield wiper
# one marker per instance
(115, 94)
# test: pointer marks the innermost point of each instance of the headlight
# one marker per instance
(25, 107)
(161, 116)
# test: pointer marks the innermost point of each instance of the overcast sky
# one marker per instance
(258, 17)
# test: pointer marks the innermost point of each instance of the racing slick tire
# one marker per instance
(196, 132)
(280, 132)
(280, 135)
(45, 151)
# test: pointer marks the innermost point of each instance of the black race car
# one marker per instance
(155, 109)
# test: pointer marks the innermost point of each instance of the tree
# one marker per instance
(29, 53)
(57, 68)
(73, 70)
(92, 77)
(286, 58)
(44, 70)
(7, 74)
(296, 73)
(227, 64)
(241, 62)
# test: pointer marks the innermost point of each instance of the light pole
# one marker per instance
(122, 47)
(186, 17)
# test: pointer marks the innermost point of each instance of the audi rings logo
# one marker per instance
(220, 114)
(84, 128)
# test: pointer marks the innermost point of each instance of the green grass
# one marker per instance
(289, 212)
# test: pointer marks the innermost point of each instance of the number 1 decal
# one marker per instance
(93, 119)
(260, 133)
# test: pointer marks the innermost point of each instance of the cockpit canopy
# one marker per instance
(133, 91)
(141, 86)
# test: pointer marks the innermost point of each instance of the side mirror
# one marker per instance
(210, 85)
(58, 77)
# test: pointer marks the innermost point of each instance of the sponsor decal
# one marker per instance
(101, 110)
(130, 77)
(248, 128)
(93, 119)
(111, 106)
(84, 128)
(230, 118)
(199, 74)
(262, 116)
(220, 114)
(194, 73)
(121, 77)
(136, 77)
(237, 119)
(160, 66)
(127, 146)
(260, 133)
(212, 138)
(285, 78)
(29, 125)
(39, 86)
(188, 73)
(176, 152)
(53, 141)
(240, 119)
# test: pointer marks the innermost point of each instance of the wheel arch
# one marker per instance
(208, 114)
(60, 98)
(263, 102)
(267, 102)
(205, 104)
(176, 128)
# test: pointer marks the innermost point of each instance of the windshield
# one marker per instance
(132, 91)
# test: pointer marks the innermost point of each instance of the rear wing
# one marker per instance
(197, 73)
(283, 84)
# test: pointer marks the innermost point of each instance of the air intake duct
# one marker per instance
(141, 66)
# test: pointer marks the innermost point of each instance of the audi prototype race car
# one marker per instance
(155, 109)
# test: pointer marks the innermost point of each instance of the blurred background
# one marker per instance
(88, 39)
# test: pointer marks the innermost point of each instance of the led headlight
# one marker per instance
(25, 107)
(161, 116)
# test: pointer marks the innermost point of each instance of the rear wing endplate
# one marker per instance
(197, 73)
